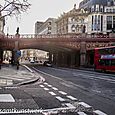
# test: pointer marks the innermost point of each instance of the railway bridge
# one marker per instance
(64, 49)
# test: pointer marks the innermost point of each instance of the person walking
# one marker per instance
(0, 63)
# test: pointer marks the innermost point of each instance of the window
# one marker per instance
(95, 23)
(101, 23)
(92, 22)
(97, 8)
(113, 62)
(92, 9)
(98, 25)
(109, 22)
(114, 10)
(101, 8)
(73, 28)
(49, 23)
(107, 10)
(113, 22)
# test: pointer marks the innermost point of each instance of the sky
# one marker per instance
(40, 10)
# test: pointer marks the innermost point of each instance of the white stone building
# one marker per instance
(47, 27)
(2, 24)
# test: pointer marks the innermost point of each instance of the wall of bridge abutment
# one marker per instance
(79, 58)
(65, 59)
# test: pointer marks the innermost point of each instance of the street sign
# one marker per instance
(18, 53)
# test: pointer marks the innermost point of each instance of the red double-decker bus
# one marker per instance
(104, 59)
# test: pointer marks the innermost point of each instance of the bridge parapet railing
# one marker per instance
(97, 36)
(54, 36)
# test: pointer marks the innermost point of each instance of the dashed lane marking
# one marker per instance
(45, 83)
(72, 98)
(49, 85)
(63, 93)
(41, 86)
(60, 98)
(52, 93)
(46, 89)
(54, 88)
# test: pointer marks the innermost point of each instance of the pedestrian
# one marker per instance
(17, 64)
(0, 63)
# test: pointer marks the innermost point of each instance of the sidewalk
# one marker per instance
(9, 75)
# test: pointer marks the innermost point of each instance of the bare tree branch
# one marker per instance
(13, 7)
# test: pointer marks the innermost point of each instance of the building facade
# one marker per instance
(47, 27)
(2, 24)
(101, 18)
(74, 21)
(92, 17)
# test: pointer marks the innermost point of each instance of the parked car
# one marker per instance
(32, 61)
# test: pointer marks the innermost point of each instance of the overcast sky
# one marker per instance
(40, 10)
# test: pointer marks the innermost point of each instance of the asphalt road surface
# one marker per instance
(69, 87)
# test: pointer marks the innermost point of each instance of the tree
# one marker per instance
(13, 7)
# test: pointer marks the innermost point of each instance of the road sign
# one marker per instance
(18, 53)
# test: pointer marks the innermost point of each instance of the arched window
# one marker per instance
(73, 28)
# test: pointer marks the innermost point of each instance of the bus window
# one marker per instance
(113, 62)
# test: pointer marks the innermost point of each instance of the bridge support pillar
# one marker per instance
(83, 54)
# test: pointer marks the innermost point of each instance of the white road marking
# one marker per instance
(6, 98)
(46, 89)
(46, 83)
(52, 93)
(41, 86)
(49, 85)
(81, 113)
(48, 74)
(28, 68)
(84, 104)
(54, 88)
(63, 93)
(44, 112)
(72, 98)
(13, 78)
(60, 98)
(98, 112)
(70, 105)
(11, 87)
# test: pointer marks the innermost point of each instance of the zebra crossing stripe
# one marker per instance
(52, 93)
(98, 112)
(84, 104)
(54, 88)
(81, 113)
(60, 98)
(41, 86)
(46, 89)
